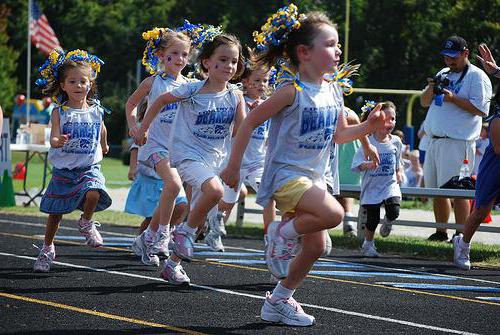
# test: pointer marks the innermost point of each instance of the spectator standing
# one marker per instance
(453, 122)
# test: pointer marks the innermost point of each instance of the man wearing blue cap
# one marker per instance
(458, 97)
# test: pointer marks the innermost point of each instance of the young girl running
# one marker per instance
(78, 142)
(380, 185)
(208, 112)
(255, 87)
(143, 199)
(165, 56)
(304, 115)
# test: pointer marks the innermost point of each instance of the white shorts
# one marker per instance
(443, 159)
(250, 177)
(196, 173)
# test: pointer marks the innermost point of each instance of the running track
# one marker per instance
(108, 290)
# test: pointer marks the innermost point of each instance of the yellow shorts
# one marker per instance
(288, 196)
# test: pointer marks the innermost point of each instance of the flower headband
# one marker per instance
(49, 71)
(342, 76)
(277, 27)
(197, 33)
(204, 34)
(369, 105)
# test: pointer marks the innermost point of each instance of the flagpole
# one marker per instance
(28, 66)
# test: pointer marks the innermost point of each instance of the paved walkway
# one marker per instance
(119, 195)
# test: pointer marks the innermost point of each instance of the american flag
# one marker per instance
(42, 35)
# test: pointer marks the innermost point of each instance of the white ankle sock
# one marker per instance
(288, 230)
(281, 293)
(163, 227)
(369, 243)
(188, 229)
(48, 248)
(171, 263)
(463, 244)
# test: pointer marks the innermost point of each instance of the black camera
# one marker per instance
(440, 83)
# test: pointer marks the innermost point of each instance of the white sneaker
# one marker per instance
(328, 244)
(216, 223)
(44, 260)
(461, 256)
(285, 311)
(369, 250)
(214, 241)
(143, 249)
(349, 228)
(386, 227)
(174, 275)
(92, 236)
(160, 243)
(280, 251)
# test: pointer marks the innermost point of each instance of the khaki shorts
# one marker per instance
(443, 159)
(288, 196)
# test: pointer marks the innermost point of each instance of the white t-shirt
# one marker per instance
(381, 183)
(423, 145)
(452, 121)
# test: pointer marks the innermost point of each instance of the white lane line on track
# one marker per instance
(209, 288)
(257, 250)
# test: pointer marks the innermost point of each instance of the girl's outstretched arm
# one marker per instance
(369, 149)
(132, 103)
(151, 113)
(346, 133)
(279, 100)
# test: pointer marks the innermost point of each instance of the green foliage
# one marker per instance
(8, 64)
(397, 42)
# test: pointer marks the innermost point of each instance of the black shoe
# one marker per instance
(438, 236)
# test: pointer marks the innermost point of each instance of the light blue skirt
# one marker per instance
(144, 196)
(67, 189)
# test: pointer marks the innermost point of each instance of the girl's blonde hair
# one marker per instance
(159, 39)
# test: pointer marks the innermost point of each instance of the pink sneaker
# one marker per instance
(92, 236)
(174, 275)
(44, 259)
(280, 251)
(286, 311)
(183, 246)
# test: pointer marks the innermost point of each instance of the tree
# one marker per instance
(8, 63)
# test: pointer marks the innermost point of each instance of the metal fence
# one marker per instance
(353, 191)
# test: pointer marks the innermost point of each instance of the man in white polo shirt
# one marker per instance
(453, 123)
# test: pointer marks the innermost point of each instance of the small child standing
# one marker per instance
(78, 142)
(380, 185)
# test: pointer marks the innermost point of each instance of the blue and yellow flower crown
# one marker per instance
(369, 105)
(204, 34)
(277, 27)
(199, 35)
(49, 71)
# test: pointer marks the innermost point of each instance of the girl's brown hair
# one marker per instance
(385, 106)
(53, 88)
(168, 36)
(223, 39)
(305, 35)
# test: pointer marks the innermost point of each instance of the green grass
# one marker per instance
(413, 247)
(113, 169)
